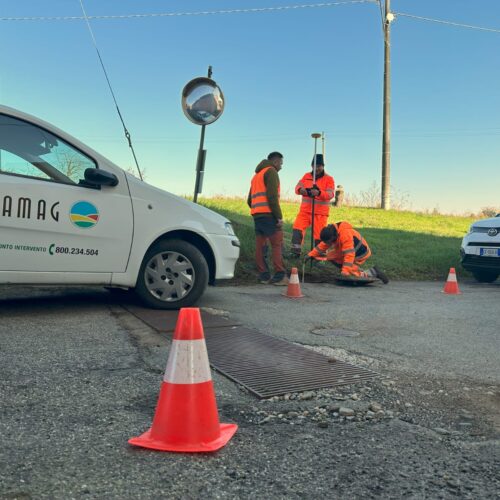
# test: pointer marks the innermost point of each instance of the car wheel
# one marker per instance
(173, 274)
(485, 276)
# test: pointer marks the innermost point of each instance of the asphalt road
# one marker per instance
(79, 375)
(412, 325)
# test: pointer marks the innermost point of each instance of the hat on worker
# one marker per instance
(319, 160)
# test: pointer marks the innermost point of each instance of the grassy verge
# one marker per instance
(407, 245)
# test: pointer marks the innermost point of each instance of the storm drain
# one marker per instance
(265, 365)
(165, 321)
(268, 366)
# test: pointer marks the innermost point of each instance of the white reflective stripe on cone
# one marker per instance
(294, 279)
(452, 277)
(188, 363)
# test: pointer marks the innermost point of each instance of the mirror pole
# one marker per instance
(202, 154)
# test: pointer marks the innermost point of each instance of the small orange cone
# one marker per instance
(451, 285)
(186, 418)
(293, 290)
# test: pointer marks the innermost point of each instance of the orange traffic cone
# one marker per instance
(451, 285)
(293, 290)
(186, 418)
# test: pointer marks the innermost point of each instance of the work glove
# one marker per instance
(316, 189)
(349, 275)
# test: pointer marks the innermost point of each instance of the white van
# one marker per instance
(68, 216)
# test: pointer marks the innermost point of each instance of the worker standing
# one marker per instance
(322, 193)
(264, 203)
(345, 248)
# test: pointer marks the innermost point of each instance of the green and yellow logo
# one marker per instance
(84, 214)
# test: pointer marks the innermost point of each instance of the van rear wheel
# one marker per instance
(173, 274)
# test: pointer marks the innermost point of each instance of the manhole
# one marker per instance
(334, 332)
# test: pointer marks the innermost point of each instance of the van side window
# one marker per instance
(30, 151)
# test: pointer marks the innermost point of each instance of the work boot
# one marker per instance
(380, 275)
(264, 278)
(279, 279)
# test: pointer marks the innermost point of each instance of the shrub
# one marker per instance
(489, 212)
(371, 198)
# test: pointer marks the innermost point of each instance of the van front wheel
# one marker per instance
(173, 274)
(485, 276)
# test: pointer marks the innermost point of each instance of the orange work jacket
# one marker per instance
(258, 194)
(326, 185)
(349, 243)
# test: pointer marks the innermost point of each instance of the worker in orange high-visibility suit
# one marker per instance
(322, 193)
(344, 247)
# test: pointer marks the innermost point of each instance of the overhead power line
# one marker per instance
(244, 11)
(195, 13)
(254, 10)
(300, 137)
(451, 23)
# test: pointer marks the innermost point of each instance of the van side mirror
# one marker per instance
(98, 177)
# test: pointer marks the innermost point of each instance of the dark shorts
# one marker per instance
(265, 225)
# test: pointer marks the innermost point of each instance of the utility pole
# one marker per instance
(386, 134)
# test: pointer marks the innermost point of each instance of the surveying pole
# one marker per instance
(315, 136)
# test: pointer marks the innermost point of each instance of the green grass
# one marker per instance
(407, 245)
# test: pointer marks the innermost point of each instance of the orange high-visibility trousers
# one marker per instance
(301, 223)
(337, 257)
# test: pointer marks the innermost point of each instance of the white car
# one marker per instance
(480, 249)
(68, 216)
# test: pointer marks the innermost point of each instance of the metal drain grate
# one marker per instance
(165, 321)
(268, 366)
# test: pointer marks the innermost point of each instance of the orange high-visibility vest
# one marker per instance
(258, 193)
(326, 185)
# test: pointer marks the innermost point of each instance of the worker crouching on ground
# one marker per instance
(344, 247)
(264, 203)
(322, 193)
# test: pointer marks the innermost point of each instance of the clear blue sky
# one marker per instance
(284, 74)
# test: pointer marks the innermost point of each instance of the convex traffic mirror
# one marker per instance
(202, 101)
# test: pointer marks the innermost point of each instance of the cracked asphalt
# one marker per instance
(80, 375)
